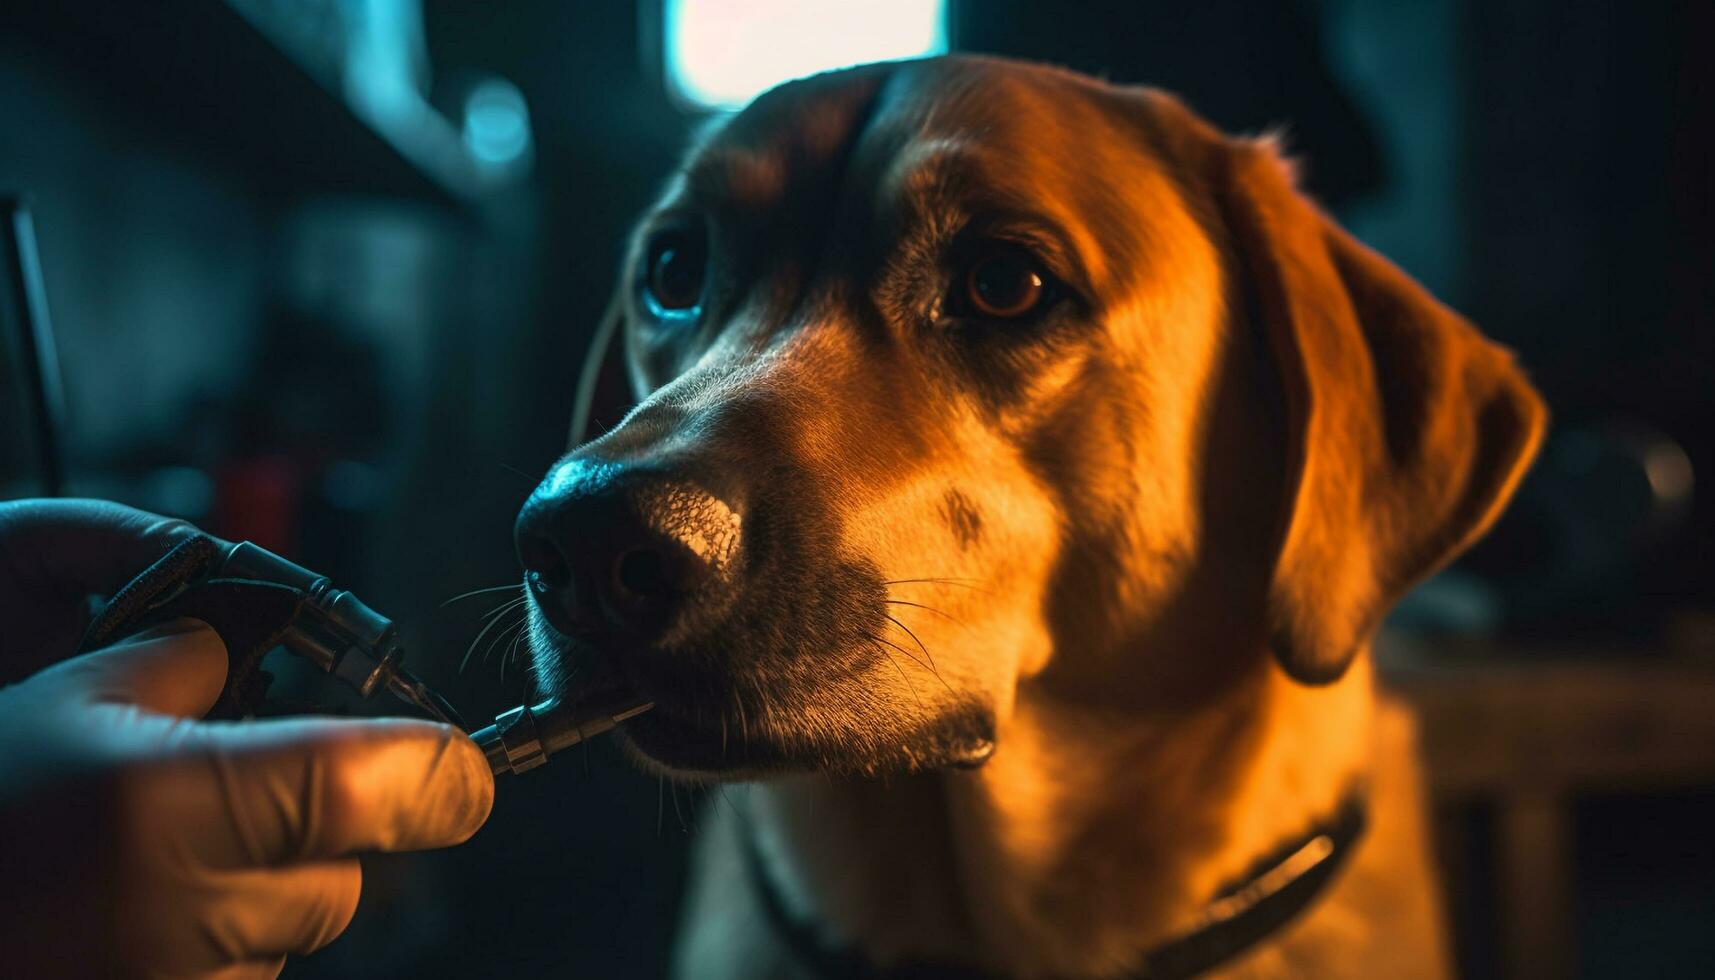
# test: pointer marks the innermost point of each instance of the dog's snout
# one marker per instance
(609, 552)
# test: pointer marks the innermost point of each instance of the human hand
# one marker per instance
(136, 840)
(56, 553)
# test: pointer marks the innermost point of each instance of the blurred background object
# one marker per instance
(30, 459)
(321, 273)
(722, 55)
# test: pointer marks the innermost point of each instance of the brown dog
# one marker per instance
(1020, 471)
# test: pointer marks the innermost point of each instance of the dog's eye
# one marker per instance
(673, 276)
(1003, 285)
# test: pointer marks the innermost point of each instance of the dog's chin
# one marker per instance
(695, 734)
(667, 740)
(673, 741)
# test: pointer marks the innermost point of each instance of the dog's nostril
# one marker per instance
(542, 583)
(642, 572)
(624, 558)
(544, 567)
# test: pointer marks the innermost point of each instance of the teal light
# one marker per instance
(496, 123)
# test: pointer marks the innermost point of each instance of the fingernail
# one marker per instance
(459, 777)
(475, 777)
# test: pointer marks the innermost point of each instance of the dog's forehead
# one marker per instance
(947, 135)
(788, 137)
(1011, 107)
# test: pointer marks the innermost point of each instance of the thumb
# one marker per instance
(176, 668)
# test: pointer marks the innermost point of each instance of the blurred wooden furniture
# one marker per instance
(1526, 731)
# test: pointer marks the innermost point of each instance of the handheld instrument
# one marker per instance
(258, 601)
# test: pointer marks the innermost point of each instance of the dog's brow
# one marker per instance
(956, 175)
(950, 177)
(746, 176)
(926, 165)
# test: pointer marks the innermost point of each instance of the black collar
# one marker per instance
(1280, 886)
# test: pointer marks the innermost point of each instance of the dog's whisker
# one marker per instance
(505, 608)
(962, 583)
(884, 641)
(477, 592)
(501, 637)
(510, 605)
(492, 623)
(507, 656)
(926, 654)
(909, 655)
(931, 668)
(515, 654)
(508, 467)
(932, 609)
(896, 666)
(515, 629)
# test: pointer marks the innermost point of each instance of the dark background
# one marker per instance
(274, 320)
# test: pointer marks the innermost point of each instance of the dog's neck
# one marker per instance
(1084, 841)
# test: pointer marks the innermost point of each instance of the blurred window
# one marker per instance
(720, 54)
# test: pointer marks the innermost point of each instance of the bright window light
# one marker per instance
(723, 53)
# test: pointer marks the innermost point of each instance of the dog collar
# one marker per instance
(1281, 885)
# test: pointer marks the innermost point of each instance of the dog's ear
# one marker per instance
(1407, 430)
(604, 385)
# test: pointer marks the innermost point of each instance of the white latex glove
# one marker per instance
(137, 841)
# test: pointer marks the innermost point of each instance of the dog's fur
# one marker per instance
(1139, 544)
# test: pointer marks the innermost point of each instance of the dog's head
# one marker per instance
(942, 379)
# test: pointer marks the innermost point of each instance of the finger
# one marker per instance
(265, 793)
(236, 923)
(261, 914)
(175, 668)
(82, 546)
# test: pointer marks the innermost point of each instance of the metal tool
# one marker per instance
(337, 632)
(524, 738)
(345, 638)
(258, 600)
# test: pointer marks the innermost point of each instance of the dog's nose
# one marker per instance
(611, 551)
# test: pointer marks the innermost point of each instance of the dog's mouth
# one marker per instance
(689, 740)
(711, 724)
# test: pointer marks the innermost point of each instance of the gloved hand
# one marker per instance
(54, 553)
(135, 840)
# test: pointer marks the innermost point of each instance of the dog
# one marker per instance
(1002, 476)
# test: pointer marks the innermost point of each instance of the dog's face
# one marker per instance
(953, 378)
